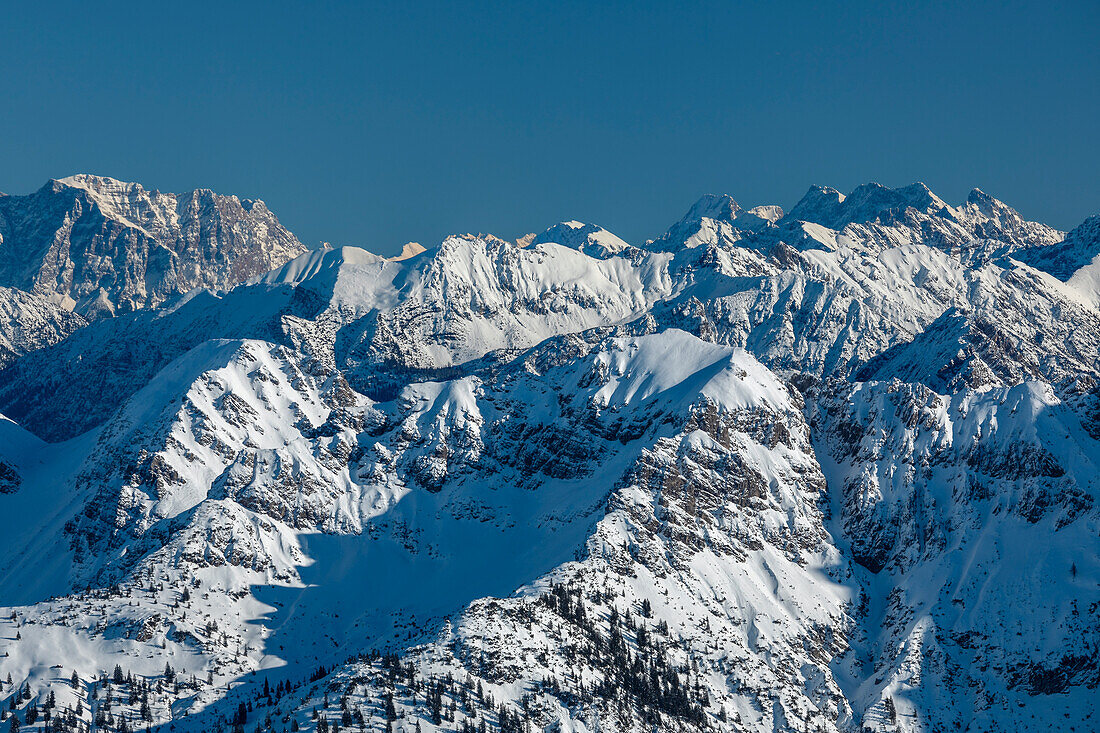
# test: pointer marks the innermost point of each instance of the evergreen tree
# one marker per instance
(891, 711)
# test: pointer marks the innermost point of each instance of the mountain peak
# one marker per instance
(91, 182)
(146, 246)
(769, 213)
(921, 197)
(720, 207)
(591, 239)
(409, 250)
(712, 217)
(989, 206)
(817, 205)
(867, 202)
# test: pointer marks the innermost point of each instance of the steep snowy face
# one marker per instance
(226, 420)
(30, 322)
(816, 309)
(62, 391)
(981, 217)
(982, 223)
(102, 246)
(867, 203)
(590, 239)
(1016, 325)
(474, 296)
(1075, 260)
(972, 510)
(715, 220)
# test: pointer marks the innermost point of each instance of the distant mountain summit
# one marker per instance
(98, 246)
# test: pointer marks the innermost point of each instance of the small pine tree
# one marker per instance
(891, 711)
(242, 715)
(74, 681)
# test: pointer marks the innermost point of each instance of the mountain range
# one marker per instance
(831, 469)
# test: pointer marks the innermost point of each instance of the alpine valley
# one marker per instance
(834, 469)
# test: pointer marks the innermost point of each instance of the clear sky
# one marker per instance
(376, 123)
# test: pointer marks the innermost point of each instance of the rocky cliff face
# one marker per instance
(834, 470)
(99, 246)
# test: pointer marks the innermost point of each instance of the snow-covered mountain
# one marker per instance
(831, 470)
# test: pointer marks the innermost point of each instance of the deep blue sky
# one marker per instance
(377, 123)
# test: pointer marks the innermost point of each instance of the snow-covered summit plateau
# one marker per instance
(835, 469)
